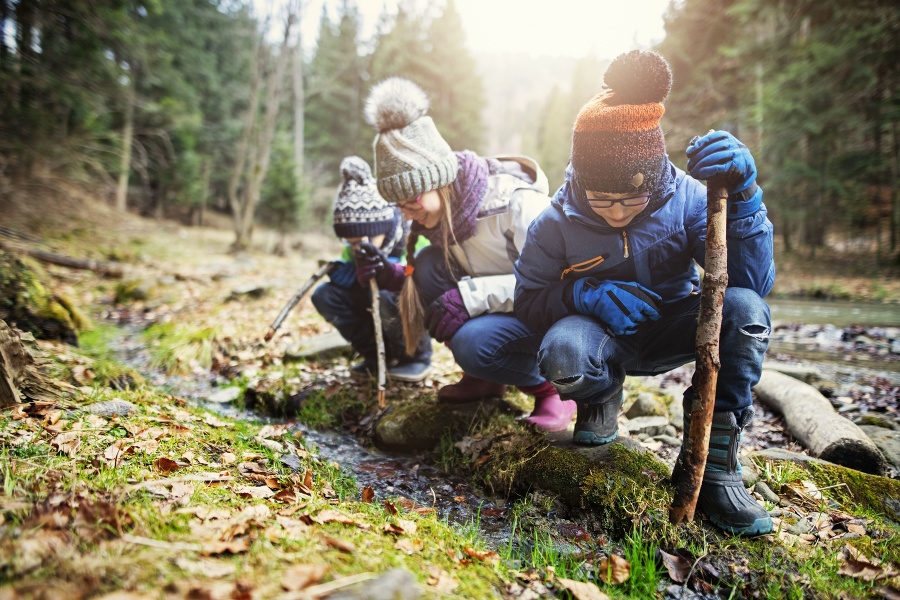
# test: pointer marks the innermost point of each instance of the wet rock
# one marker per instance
(111, 408)
(648, 425)
(647, 405)
(396, 584)
(415, 427)
(749, 472)
(669, 440)
(886, 440)
(671, 430)
(251, 291)
(224, 395)
(800, 527)
(876, 420)
(676, 415)
(881, 494)
(766, 492)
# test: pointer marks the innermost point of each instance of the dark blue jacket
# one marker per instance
(656, 249)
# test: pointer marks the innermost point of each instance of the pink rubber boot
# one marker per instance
(550, 412)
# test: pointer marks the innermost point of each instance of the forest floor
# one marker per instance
(134, 489)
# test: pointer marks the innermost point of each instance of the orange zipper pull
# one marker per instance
(625, 240)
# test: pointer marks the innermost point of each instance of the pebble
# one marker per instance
(396, 584)
(668, 440)
(111, 408)
(766, 492)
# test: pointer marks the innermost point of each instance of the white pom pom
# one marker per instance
(356, 169)
(395, 103)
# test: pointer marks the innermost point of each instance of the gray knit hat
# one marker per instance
(358, 209)
(411, 157)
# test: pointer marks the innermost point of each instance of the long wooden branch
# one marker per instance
(706, 374)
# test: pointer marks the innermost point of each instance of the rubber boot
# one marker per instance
(550, 412)
(723, 497)
(470, 389)
(598, 423)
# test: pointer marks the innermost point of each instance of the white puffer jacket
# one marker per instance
(509, 207)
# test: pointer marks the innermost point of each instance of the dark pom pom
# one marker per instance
(638, 77)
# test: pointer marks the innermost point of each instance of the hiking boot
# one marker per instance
(723, 497)
(597, 423)
(550, 412)
(413, 371)
(470, 389)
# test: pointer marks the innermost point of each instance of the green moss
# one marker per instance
(880, 494)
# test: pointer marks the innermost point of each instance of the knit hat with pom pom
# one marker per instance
(358, 209)
(617, 143)
(411, 157)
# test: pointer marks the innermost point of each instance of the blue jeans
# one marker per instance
(495, 347)
(348, 310)
(589, 366)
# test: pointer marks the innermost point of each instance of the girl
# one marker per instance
(360, 214)
(475, 212)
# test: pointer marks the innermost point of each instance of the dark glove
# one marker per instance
(446, 315)
(372, 262)
(619, 305)
(343, 274)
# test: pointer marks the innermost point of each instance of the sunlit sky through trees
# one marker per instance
(571, 28)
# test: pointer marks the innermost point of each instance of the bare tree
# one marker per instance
(255, 145)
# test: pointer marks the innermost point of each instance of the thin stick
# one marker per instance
(706, 374)
(379, 340)
(295, 299)
(207, 477)
(136, 539)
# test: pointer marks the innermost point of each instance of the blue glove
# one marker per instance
(619, 305)
(343, 274)
(720, 154)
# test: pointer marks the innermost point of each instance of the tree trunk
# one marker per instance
(299, 105)
(125, 160)
(258, 167)
(706, 374)
(19, 371)
(812, 420)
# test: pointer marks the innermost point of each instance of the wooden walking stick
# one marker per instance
(706, 373)
(379, 341)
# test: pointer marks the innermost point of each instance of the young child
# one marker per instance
(475, 212)
(361, 215)
(607, 273)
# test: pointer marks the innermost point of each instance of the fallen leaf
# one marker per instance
(440, 580)
(254, 491)
(227, 458)
(368, 495)
(613, 569)
(299, 577)
(207, 567)
(389, 506)
(487, 556)
(66, 443)
(677, 566)
(165, 465)
(409, 546)
(237, 546)
(581, 590)
(117, 451)
(333, 516)
(459, 498)
(339, 544)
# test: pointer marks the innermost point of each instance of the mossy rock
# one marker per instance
(416, 426)
(618, 482)
(26, 303)
(880, 494)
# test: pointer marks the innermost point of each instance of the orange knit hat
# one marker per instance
(617, 143)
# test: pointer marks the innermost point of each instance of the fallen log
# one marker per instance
(103, 268)
(811, 419)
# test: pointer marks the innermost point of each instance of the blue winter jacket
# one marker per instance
(568, 241)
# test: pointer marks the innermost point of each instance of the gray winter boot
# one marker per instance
(723, 497)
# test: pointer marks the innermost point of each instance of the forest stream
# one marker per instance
(849, 344)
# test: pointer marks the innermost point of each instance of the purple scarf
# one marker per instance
(469, 188)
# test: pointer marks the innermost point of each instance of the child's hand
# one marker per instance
(720, 154)
(344, 274)
(619, 305)
(369, 260)
(446, 315)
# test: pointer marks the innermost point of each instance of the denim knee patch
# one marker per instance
(757, 332)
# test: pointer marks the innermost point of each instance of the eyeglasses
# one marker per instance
(629, 201)
(411, 205)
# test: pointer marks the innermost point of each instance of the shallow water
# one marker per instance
(839, 314)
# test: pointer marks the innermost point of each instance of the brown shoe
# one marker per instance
(470, 389)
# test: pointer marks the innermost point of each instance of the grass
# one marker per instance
(179, 349)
